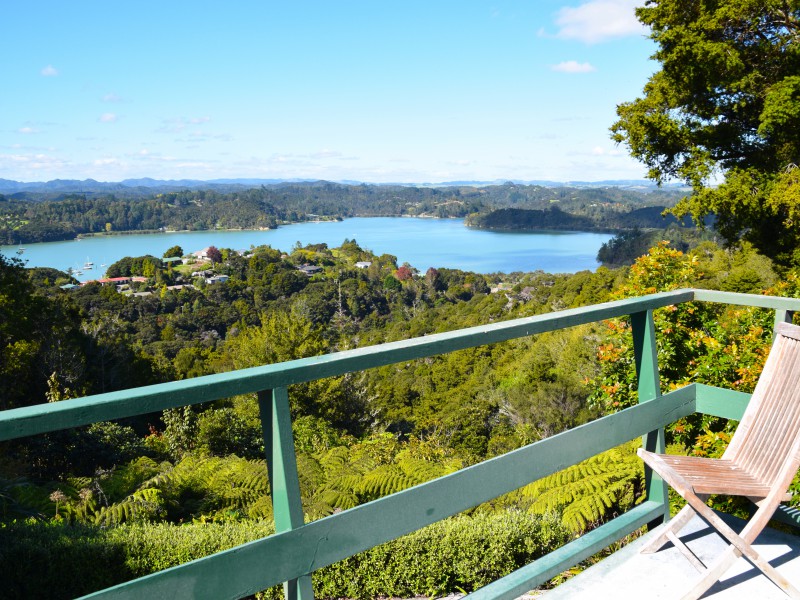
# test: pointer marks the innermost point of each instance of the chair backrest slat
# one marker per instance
(766, 436)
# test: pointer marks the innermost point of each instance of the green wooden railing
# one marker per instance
(297, 549)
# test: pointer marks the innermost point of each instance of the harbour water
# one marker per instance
(422, 243)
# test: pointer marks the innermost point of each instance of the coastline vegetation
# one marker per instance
(39, 217)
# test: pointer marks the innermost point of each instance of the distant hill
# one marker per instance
(129, 187)
(518, 219)
(146, 185)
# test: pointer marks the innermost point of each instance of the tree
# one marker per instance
(726, 101)
(404, 273)
(174, 252)
(213, 254)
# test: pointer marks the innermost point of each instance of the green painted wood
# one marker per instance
(284, 483)
(545, 568)
(41, 418)
(774, 302)
(284, 556)
(719, 402)
(787, 515)
(645, 355)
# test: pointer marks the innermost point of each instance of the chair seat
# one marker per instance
(713, 475)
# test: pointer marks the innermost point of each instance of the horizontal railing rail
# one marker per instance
(298, 549)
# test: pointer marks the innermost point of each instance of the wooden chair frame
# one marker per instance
(759, 463)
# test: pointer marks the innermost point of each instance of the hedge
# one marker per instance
(52, 560)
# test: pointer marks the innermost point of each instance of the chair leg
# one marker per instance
(674, 525)
(739, 546)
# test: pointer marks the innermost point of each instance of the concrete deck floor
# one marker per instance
(627, 574)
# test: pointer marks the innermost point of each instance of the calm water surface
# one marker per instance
(421, 242)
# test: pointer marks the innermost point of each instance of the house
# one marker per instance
(310, 269)
(217, 279)
(113, 280)
(364, 264)
(172, 260)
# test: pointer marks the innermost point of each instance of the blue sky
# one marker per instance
(379, 91)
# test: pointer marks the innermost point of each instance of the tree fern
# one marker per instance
(194, 486)
(142, 505)
(589, 491)
(385, 480)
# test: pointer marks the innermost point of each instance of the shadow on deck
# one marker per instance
(667, 574)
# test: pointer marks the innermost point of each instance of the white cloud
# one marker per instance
(599, 20)
(600, 151)
(104, 162)
(27, 130)
(573, 66)
(108, 118)
(325, 153)
(49, 71)
(112, 97)
(22, 163)
(198, 120)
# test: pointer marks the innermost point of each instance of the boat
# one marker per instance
(88, 265)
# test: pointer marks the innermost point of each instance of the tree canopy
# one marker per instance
(726, 102)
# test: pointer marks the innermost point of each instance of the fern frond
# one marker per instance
(142, 505)
(587, 492)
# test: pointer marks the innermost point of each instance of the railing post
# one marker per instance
(287, 508)
(649, 388)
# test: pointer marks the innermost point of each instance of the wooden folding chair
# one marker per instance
(759, 463)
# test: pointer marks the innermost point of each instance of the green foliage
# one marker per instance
(126, 267)
(173, 252)
(603, 218)
(725, 100)
(725, 92)
(625, 247)
(590, 492)
(529, 219)
(342, 477)
(40, 339)
(461, 553)
(51, 560)
(695, 342)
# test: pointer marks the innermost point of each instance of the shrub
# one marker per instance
(461, 553)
